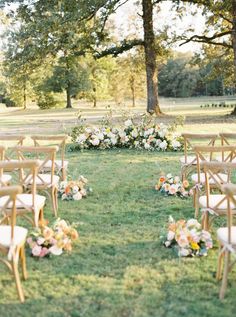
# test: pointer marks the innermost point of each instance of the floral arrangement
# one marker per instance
(188, 237)
(45, 241)
(172, 186)
(74, 190)
(138, 133)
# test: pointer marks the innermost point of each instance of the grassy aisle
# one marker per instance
(119, 268)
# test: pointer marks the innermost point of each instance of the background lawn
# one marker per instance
(119, 267)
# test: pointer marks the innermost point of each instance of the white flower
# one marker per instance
(113, 141)
(183, 252)
(158, 141)
(167, 243)
(128, 123)
(81, 138)
(171, 219)
(175, 144)
(147, 146)
(63, 185)
(40, 240)
(100, 136)
(63, 197)
(169, 175)
(176, 179)
(75, 189)
(163, 145)
(94, 141)
(77, 196)
(55, 250)
(162, 132)
(134, 133)
(170, 235)
(193, 223)
(36, 250)
(88, 130)
(83, 192)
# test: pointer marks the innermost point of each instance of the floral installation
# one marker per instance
(138, 133)
(54, 240)
(74, 189)
(188, 237)
(172, 186)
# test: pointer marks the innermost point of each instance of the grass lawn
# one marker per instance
(119, 267)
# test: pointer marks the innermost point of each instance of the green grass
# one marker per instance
(119, 268)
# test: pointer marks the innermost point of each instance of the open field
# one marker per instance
(119, 267)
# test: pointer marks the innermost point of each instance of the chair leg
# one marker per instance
(219, 264)
(225, 275)
(54, 207)
(205, 221)
(17, 280)
(195, 202)
(56, 198)
(23, 262)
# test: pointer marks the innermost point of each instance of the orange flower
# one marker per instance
(67, 189)
(74, 234)
(47, 233)
(185, 183)
(43, 223)
(162, 179)
(172, 227)
(68, 246)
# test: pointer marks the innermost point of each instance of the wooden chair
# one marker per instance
(9, 141)
(47, 183)
(4, 178)
(209, 154)
(228, 139)
(61, 165)
(227, 239)
(215, 204)
(28, 204)
(12, 237)
(189, 162)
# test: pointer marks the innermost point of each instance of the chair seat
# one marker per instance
(214, 200)
(5, 178)
(224, 177)
(222, 235)
(44, 179)
(190, 159)
(57, 163)
(20, 234)
(25, 199)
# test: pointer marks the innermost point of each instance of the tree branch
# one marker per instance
(123, 47)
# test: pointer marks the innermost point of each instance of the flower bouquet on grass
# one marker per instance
(172, 186)
(45, 241)
(188, 237)
(74, 190)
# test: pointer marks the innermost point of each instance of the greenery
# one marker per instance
(119, 266)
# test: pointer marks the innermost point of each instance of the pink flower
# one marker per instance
(43, 252)
(36, 250)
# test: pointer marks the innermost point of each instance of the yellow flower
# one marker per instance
(74, 234)
(108, 130)
(194, 246)
(185, 183)
(47, 233)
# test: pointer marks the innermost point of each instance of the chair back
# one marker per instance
(43, 154)
(11, 193)
(11, 140)
(191, 139)
(228, 138)
(26, 169)
(213, 154)
(213, 171)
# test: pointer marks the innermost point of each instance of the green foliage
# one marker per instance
(46, 101)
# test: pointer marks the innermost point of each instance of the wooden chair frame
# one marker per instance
(49, 188)
(27, 170)
(212, 171)
(187, 167)
(13, 253)
(227, 250)
(19, 139)
(2, 158)
(206, 154)
(61, 143)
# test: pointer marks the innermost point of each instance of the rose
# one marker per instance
(170, 235)
(77, 196)
(36, 250)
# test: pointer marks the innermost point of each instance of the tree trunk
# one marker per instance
(94, 97)
(150, 58)
(24, 96)
(233, 36)
(68, 97)
(132, 87)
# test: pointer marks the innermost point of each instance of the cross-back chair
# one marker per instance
(228, 139)
(60, 165)
(189, 161)
(209, 154)
(4, 178)
(12, 237)
(45, 182)
(227, 239)
(215, 204)
(28, 204)
(9, 141)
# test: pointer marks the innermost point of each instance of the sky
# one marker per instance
(166, 16)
